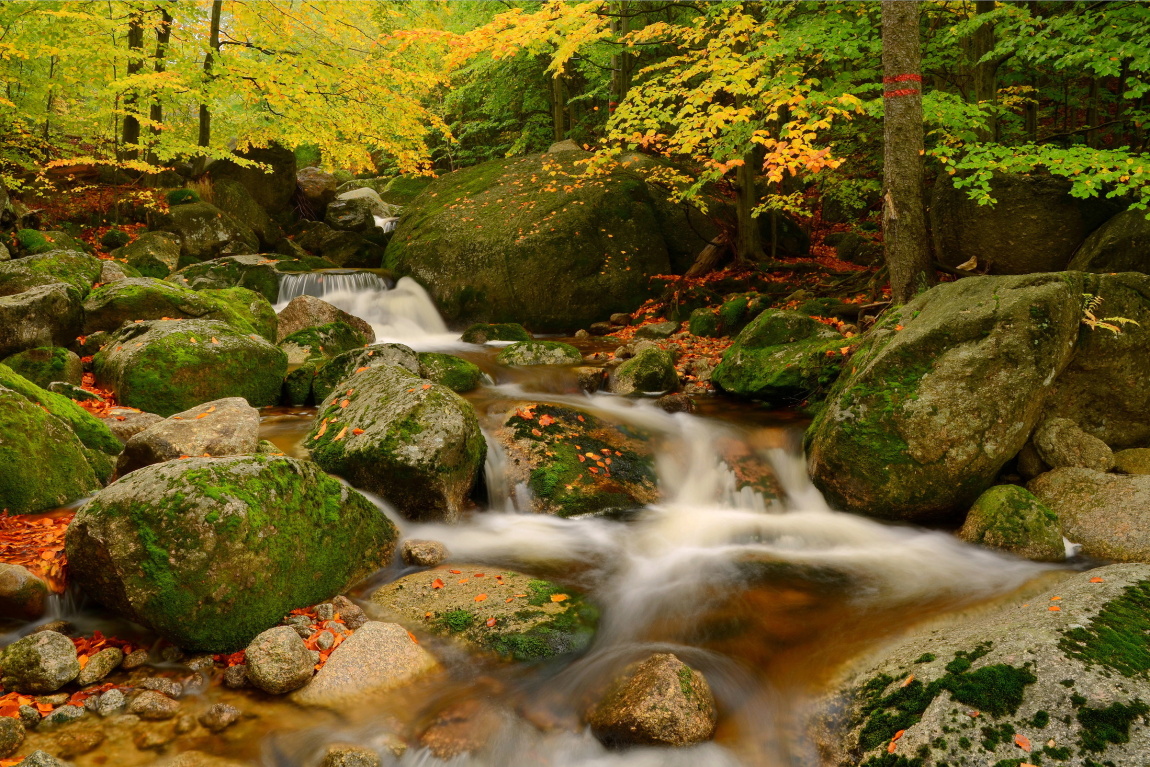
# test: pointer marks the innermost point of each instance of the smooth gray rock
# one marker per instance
(278, 661)
(222, 427)
(127, 422)
(39, 663)
(1061, 443)
(153, 705)
(540, 353)
(1106, 513)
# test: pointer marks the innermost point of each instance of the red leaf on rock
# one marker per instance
(437, 584)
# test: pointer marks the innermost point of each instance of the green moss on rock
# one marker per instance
(90, 430)
(147, 298)
(482, 332)
(77, 271)
(540, 353)
(1116, 637)
(1012, 518)
(46, 364)
(456, 374)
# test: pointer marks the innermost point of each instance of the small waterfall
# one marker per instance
(386, 224)
(403, 313)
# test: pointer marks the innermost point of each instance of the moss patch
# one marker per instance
(1111, 725)
(456, 374)
(1116, 637)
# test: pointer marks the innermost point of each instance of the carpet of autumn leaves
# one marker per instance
(37, 543)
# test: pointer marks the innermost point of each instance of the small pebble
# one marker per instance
(61, 627)
(56, 699)
(169, 687)
(135, 659)
(324, 611)
(423, 553)
(219, 717)
(201, 663)
(150, 704)
(63, 715)
(110, 702)
(236, 677)
(79, 740)
(352, 614)
(153, 738)
(582, 334)
(100, 665)
(343, 755)
(314, 657)
(325, 640)
(172, 654)
(304, 630)
(185, 724)
(11, 735)
(30, 717)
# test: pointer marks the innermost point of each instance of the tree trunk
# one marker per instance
(748, 239)
(558, 105)
(983, 74)
(904, 223)
(620, 59)
(51, 93)
(163, 36)
(131, 135)
(213, 51)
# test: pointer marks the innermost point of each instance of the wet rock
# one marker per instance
(527, 628)
(153, 706)
(574, 462)
(166, 367)
(47, 315)
(456, 374)
(415, 443)
(1063, 679)
(376, 658)
(257, 273)
(324, 611)
(1106, 513)
(539, 353)
(100, 665)
(11, 735)
(1011, 518)
(482, 332)
(676, 403)
(1061, 443)
(278, 661)
(339, 755)
(236, 677)
(658, 330)
(317, 186)
(58, 699)
(135, 659)
(46, 364)
(219, 717)
(219, 428)
(650, 370)
(590, 378)
(1133, 461)
(336, 374)
(127, 422)
(63, 715)
(206, 232)
(111, 702)
(153, 738)
(29, 717)
(186, 723)
(152, 254)
(22, 594)
(600, 329)
(41, 759)
(461, 728)
(199, 759)
(79, 740)
(258, 535)
(39, 663)
(351, 613)
(163, 684)
(661, 701)
(109, 307)
(909, 433)
(59, 626)
(308, 311)
(423, 553)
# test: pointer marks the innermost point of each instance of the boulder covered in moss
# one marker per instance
(75, 270)
(308, 312)
(456, 374)
(1105, 513)
(540, 353)
(1058, 677)
(402, 190)
(482, 332)
(256, 273)
(651, 370)
(233, 198)
(575, 463)
(165, 366)
(350, 363)
(270, 179)
(541, 620)
(146, 298)
(416, 444)
(48, 315)
(660, 701)
(1011, 518)
(943, 392)
(781, 358)
(206, 232)
(562, 251)
(152, 254)
(46, 364)
(209, 552)
(91, 431)
(310, 349)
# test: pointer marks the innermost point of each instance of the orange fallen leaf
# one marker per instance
(898, 735)
(546, 420)
(1054, 608)
(1096, 579)
(455, 572)
(592, 469)
(490, 623)
(437, 584)
(537, 433)
(559, 597)
(478, 575)
(426, 386)
(898, 327)
(322, 430)
(520, 595)
(193, 340)
(973, 713)
(480, 597)
(1055, 599)
(339, 436)
(509, 599)
(1022, 742)
(906, 682)
(581, 419)
(202, 415)
(345, 403)
(890, 747)
(462, 581)
(357, 432)
(360, 370)
(412, 636)
(215, 340)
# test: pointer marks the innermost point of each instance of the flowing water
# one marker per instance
(769, 598)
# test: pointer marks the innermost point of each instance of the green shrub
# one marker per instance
(32, 241)
(182, 196)
(115, 238)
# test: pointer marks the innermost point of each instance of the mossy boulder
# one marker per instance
(90, 430)
(308, 312)
(75, 270)
(517, 616)
(1119, 245)
(233, 198)
(1072, 684)
(705, 323)
(540, 353)
(781, 357)
(206, 232)
(1011, 518)
(146, 298)
(257, 273)
(942, 393)
(1105, 513)
(43, 464)
(49, 315)
(651, 370)
(165, 366)
(209, 552)
(115, 238)
(310, 349)
(531, 240)
(575, 463)
(482, 332)
(456, 374)
(152, 254)
(401, 190)
(350, 363)
(270, 178)
(46, 364)
(417, 444)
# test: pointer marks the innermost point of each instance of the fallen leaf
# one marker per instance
(193, 340)
(973, 713)
(520, 595)
(546, 420)
(478, 575)
(509, 599)
(1054, 608)
(357, 432)
(890, 748)
(426, 387)
(339, 436)
(898, 735)
(462, 581)
(1096, 579)
(1055, 599)
(906, 682)
(593, 469)
(898, 327)
(1022, 742)
(413, 639)
(360, 370)
(490, 623)
(215, 340)
(559, 597)
(437, 584)
(480, 597)
(455, 572)
(345, 403)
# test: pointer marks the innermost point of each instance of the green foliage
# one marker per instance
(1103, 726)
(32, 241)
(182, 196)
(115, 238)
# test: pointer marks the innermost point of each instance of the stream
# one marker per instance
(769, 598)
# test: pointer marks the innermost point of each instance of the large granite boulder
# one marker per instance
(234, 199)
(46, 364)
(209, 552)
(309, 312)
(224, 427)
(1105, 513)
(48, 315)
(152, 254)
(165, 366)
(273, 185)
(146, 298)
(415, 443)
(75, 270)
(942, 393)
(1122, 244)
(564, 250)
(256, 273)
(344, 366)
(206, 232)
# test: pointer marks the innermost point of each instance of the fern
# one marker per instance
(1092, 321)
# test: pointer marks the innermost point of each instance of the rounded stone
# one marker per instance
(278, 661)
(40, 663)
